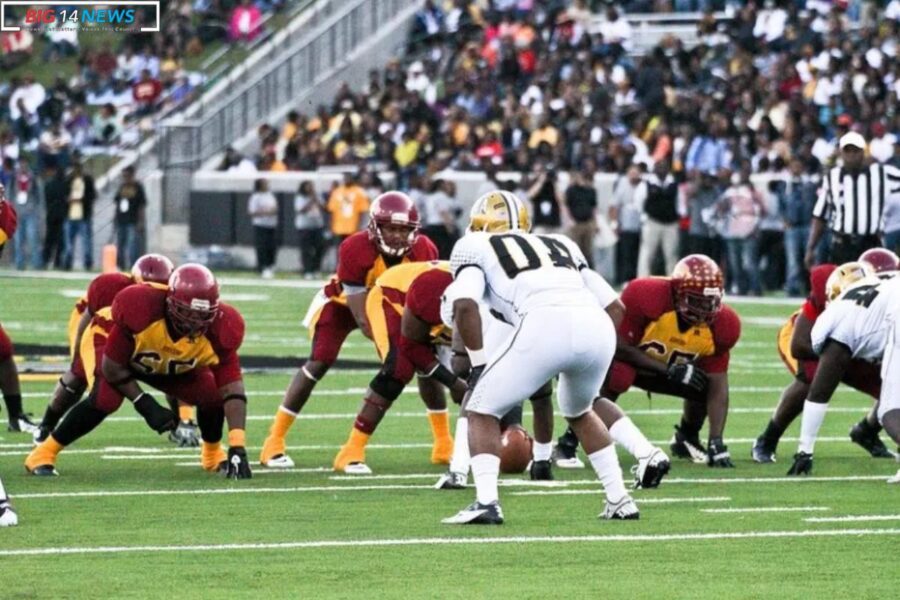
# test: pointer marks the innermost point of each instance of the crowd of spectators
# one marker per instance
(541, 88)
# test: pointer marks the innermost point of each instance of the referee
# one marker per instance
(852, 198)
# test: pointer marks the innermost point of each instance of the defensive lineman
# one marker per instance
(540, 284)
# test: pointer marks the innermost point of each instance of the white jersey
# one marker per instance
(523, 271)
(861, 318)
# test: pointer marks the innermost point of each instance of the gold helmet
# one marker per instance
(844, 276)
(499, 211)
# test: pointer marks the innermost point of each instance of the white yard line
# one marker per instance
(450, 541)
(766, 509)
(852, 518)
(639, 500)
(215, 492)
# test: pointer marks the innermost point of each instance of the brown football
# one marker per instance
(515, 450)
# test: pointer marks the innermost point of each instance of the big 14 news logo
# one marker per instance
(109, 16)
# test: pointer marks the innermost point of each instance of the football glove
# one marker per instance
(8, 219)
(689, 375)
(717, 454)
(474, 374)
(238, 465)
(186, 435)
(159, 418)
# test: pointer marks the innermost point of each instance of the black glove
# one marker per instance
(238, 465)
(474, 374)
(689, 375)
(159, 418)
(717, 454)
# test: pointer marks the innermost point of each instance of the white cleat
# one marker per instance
(570, 463)
(623, 510)
(8, 517)
(357, 468)
(282, 461)
(651, 469)
(895, 478)
(452, 481)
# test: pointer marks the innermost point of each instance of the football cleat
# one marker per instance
(688, 447)
(566, 451)
(40, 435)
(356, 468)
(763, 451)
(803, 464)
(862, 435)
(541, 470)
(452, 481)
(477, 514)
(651, 469)
(22, 424)
(185, 435)
(279, 461)
(273, 454)
(718, 455)
(623, 510)
(8, 516)
(895, 478)
(44, 471)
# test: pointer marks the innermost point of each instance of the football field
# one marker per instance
(133, 516)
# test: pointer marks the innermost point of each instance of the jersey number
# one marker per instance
(659, 349)
(150, 363)
(518, 254)
(863, 295)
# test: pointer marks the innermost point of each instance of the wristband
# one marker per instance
(237, 437)
(478, 358)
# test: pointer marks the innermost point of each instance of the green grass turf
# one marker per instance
(787, 567)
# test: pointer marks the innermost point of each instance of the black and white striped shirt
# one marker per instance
(854, 203)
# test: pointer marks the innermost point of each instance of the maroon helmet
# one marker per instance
(393, 223)
(152, 268)
(192, 302)
(698, 286)
(880, 259)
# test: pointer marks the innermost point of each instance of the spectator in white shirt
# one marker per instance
(882, 145)
(263, 210)
(616, 31)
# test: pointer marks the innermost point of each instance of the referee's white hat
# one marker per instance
(853, 139)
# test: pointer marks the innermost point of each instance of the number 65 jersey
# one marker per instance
(861, 318)
(523, 271)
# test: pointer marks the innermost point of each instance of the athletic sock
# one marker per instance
(79, 421)
(185, 412)
(358, 439)
(541, 451)
(606, 465)
(13, 405)
(773, 432)
(440, 424)
(813, 417)
(211, 455)
(44, 454)
(625, 433)
(485, 471)
(460, 461)
(284, 418)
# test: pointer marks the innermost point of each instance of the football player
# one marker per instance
(150, 268)
(8, 517)
(860, 323)
(181, 341)
(795, 348)
(676, 339)
(392, 238)
(403, 312)
(540, 284)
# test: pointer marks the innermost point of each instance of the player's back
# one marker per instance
(860, 318)
(524, 271)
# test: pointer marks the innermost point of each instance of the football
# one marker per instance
(515, 450)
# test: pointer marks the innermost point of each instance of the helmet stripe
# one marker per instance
(509, 210)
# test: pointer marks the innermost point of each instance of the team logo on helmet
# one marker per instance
(499, 211)
(192, 302)
(845, 276)
(393, 223)
(699, 287)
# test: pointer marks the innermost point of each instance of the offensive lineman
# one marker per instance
(8, 222)
(540, 284)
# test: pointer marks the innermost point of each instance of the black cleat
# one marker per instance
(688, 446)
(477, 514)
(763, 451)
(22, 423)
(44, 471)
(566, 451)
(541, 470)
(803, 464)
(863, 435)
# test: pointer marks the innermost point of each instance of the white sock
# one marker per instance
(541, 451)
(459, 463)
(486, 470)
(813, 417)
(625, 433)
(606, 465)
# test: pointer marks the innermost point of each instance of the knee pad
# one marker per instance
(387, 387)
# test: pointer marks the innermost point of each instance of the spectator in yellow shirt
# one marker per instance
(347, 204)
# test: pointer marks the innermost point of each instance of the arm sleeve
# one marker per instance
(228, 370)
(227, 338)
(726, 332)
